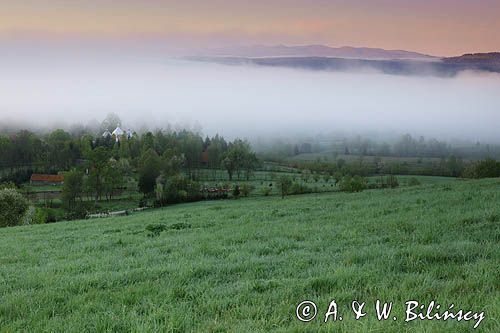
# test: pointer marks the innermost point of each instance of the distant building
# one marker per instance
(41, 179)
(106, 134)
(118, 134)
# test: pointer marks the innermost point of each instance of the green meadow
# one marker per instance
(244, 265)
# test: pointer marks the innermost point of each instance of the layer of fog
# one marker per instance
(246, 101)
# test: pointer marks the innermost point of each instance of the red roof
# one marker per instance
(204, 157)
(36, 177)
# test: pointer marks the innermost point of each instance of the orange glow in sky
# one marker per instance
(440, 27)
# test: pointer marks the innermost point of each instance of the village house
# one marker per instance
(118, 134)
(42, 179)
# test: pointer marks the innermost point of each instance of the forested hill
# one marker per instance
(347, 52)
(479, 61)
(446, 67)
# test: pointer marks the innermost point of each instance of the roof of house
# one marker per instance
(118, 131)
(37, 177)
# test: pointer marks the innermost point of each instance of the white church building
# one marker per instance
(118, 134)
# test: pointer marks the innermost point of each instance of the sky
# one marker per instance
(436, 27)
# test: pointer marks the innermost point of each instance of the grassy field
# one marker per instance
(244, 265)
(424, 180)
(414, 165)
(41, 188)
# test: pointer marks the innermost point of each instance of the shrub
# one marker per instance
(79, 210)
(488, 168)
(236, 191)
(413, 182)
(358, 184)
(392, 181)
(13, 206)
(182, 195)
(175, 189)
(388, 182)
(266, 191)
(41, 216)
(345, 183)
(27, 218)
(327, 177)
(352, 184)
(18, 177)
(155, 229)
(316, 177)
(246, 189)
(180, 226)
(298, 188)
(6, 185)
(285, 184)
(35, 215)
(53, 215)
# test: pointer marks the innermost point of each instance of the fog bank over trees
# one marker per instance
(246, 101)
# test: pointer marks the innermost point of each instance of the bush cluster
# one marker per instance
(413, 182)
(17, 177)
(13, 207)
(352, 184)
(488, 168)
(246, 189)
(175, 189)
(389, 181)
(266, 191)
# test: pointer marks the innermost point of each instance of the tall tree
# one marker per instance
(238, 156)
(192, 146)
(113, 178)
(149, 170)
(216, 149)
(61, 150)
(72, 188)
(98, 161)
(285, 185)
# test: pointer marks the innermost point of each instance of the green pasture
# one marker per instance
(244, 265)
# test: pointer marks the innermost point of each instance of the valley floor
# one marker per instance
(244, 265)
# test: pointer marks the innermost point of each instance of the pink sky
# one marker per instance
(439, 27)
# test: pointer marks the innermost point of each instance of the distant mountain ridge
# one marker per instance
(347, 52)
(325, 58)
(446, 67)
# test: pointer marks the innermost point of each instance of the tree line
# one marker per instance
(405, 146)
(163, 165)
(25, 152)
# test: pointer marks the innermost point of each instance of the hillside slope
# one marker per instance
(314, 51)
(244, 265)
(477, 61)
(446, 67)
